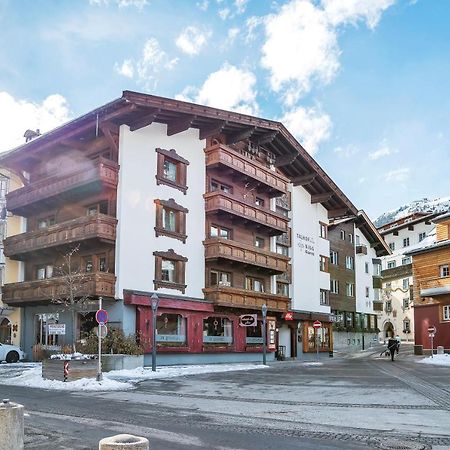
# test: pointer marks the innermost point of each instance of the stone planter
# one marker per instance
(53, 369)
(119, 362)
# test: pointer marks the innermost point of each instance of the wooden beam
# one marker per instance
(304, 180)
(111, 133)
(266, 138)
(75, 143)
(240, 135)
(285, 160)
(145, 120)
(180, 125)
(338, 212)
(320, 198)
(212, 129)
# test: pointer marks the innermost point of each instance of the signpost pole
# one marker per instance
(154, 304)
(264, 324)
(432, 344)
(431, 333)
(99, 369)
(317, 325)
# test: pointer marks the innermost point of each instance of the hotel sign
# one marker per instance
(305, 244)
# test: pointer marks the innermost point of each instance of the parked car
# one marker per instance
(11, 353)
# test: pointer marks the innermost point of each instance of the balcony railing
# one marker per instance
(361, 249)
(246, 254)
(286, 276)
(91, 177)
(377, 282)
(284, 201)
(285, 238)
(220, 201)
(268, 179)
(44, 291)
(101, 227)
(242, 298)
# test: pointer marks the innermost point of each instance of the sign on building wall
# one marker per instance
(305, 244)
(56, 328)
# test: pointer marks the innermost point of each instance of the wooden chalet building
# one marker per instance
(216, 212)
(431, 271)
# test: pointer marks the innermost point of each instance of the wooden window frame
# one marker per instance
(220, 271)
(286, 286)
(180, 271)
(252, 280)
(220, 184)
(180, 219)
(181, 177)
(220, 228)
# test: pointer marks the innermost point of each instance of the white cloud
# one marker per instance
(191, 40)
(351, 11)
(203, 5)
(120, 3)
(231, 37)
(229, 88)
(252, 23)
(148, 67)
(398, 175)
(309, 126)
(301, 46)
(240, 5)
(16, 116)
(346, 152)
(126, 69)
(384, 150)
(224, 13)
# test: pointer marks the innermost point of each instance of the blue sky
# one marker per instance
(363, 84)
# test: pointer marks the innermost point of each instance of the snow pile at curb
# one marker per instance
(437, 360)
(116, 380)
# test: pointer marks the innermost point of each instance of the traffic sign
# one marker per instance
(101, 316)
(248, 320)
(432, 330)
(289, 316)
(317, 324)
(103, 330)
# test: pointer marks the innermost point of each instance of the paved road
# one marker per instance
(354, 403)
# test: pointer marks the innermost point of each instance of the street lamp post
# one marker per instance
(154, 303)
(264, 315)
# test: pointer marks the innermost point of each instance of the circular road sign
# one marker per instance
(317, 324)
(432, 330)
(101, 316)
(102, 329)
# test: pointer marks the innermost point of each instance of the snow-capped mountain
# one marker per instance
(437, 205)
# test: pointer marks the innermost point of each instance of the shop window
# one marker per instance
(283, 289)
(47, 341)
(217, 330)
(45, 222)
(254, 284)
(219, 231)
(218, 186)
(219, 278)
(170, 271)
(97, 208)
(171, 169)
(44, 271)
(170, 219)
(5, 331)
(87, 324)
(254, 334)
(320, 336)
(171, 329)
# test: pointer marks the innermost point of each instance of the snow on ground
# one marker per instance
(437, 360)
(30, 375)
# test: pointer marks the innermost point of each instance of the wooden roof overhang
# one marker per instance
(139, 110)
(371, 233)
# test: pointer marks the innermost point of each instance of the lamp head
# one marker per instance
(264, 310)
(154, 300)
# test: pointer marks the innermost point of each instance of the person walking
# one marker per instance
(392, 347)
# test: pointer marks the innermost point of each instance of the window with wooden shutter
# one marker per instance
(170, 219)
(171, 169)
(170, 271)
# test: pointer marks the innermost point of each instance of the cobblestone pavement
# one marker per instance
(354, 403)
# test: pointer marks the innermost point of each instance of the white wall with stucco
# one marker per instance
(307, 246)
(137, 190)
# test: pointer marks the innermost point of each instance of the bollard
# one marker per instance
(124, 442)
(440, 350)
(11, 426)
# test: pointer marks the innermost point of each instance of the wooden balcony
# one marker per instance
(245, 254)
(99, 227)
(286, 276)
(268, 180)
(377, 305)
(241, 298)
(43, 291)
(361, 249)
(86, 179)
(220, 202)
(285, 238)
(377, 282)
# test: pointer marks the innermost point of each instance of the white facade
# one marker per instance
(136, 211)
(307, 246)
(364, 272)
(398, 315)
